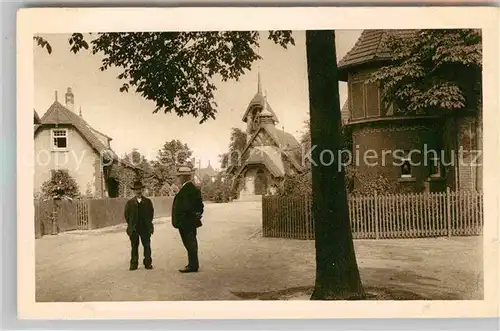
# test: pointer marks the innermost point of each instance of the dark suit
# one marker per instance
(139, 218)
(187, 210)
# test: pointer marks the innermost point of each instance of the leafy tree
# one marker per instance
(237, 143)
(437, 69)
(176, 70)
(218, 190)
(126, 175)
(60, 186)
(170, 156)
(305, 137)
(337, 275)
(296, 185)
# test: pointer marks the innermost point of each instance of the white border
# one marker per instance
(61, 20)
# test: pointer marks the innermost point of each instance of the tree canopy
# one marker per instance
(176, 70)
(170, 156)
(237, 143)
(436, 69)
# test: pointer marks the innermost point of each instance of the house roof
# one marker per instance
(57, 114)
(287, 144)
(371, 46)
(202, 172)
(260, 101)
(270, 157)
(36, 118)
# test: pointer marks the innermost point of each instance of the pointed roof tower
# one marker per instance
(266, 117)
(259, 101)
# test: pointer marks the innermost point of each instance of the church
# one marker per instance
(269, 155)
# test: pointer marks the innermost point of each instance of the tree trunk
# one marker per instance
(337, 274)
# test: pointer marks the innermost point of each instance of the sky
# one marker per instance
(129, 119)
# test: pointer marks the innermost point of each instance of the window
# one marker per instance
(435, 166)
(365, 100)
(60, 139)
(406, 165)
(372, 100)
(357, 100)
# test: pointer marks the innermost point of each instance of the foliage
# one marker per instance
(60, 186)
(176, 69)
(218, 191)
(125, 175)
(164, 168)
(435, 69)
(358, 183)
(305, 138)
(43, 43)
(237, 143)
(305, 141)
(168, 190)
(296, 185)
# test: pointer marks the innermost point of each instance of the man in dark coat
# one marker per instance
(139, 214)
(187, 210)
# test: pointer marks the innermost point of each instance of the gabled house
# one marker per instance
(201, 174)
(65, 141)
(378, 127)
(270, 153)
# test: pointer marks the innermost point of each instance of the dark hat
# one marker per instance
(137, 185)
(184, 171)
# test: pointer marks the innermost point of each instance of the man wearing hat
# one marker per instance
(139, 214)
(187, 210)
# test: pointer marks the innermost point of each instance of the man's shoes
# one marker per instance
(149, 267)
(133, 267)
(188, 269)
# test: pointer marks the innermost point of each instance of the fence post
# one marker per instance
(89, 217)
(306, 209)
(448, 211)
(376, 214)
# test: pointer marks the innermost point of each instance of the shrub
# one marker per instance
(60, 186)
(218, 191)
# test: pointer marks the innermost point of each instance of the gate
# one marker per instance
(82, 214)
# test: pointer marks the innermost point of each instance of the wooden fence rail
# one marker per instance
(382, 216)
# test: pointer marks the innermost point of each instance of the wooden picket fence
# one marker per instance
(382, 216)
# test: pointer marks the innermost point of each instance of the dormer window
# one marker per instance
(59, 139)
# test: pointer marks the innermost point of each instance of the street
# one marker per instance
(237, 263)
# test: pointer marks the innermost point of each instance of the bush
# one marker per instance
(294, 185)
(60, 186)
(218, 191)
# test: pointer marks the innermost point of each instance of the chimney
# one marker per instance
(70, 100)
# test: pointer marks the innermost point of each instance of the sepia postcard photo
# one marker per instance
(257, 162)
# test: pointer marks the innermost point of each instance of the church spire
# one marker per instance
(259, 85)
